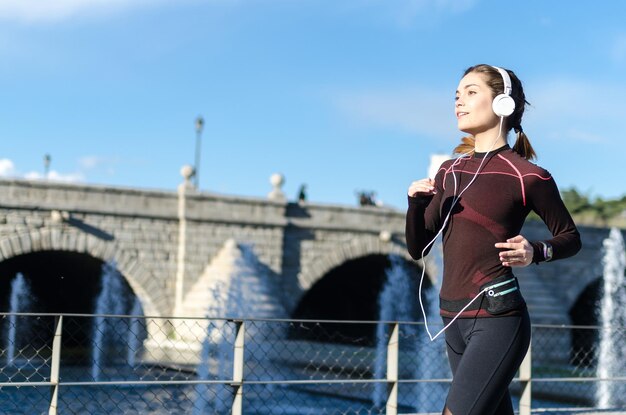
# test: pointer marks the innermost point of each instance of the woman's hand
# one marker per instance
(519, 252)
(424, 187)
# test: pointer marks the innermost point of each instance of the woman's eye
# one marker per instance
(471, 92)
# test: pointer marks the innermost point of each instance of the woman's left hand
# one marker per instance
(519, 252)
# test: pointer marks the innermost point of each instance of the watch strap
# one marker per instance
(547, 251)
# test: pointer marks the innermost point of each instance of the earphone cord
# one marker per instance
(443, 226)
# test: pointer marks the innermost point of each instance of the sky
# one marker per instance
(340, 95)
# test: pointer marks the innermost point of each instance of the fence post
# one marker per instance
(55, 366)
(392, 371)
(525, 377)
(238, 364)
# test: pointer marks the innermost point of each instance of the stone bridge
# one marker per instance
(163, 241)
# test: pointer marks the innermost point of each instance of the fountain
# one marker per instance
(397, 302)
(215, 358)
(109, 301)
(135, 332)
(612, 353)
(20, 301)
(235, 285)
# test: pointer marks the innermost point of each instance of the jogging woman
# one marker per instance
(479, 202)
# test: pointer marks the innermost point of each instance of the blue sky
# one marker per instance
(342, 95)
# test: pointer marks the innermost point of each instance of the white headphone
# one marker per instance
(503, 105)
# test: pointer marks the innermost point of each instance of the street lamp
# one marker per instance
(46, 165)
(196, 167)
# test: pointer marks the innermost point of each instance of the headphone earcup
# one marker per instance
(503, 105)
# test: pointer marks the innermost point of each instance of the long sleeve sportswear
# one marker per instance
(491, 210)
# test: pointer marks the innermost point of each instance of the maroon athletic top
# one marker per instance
(492, 209)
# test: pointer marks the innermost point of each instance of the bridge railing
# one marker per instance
(104, 364)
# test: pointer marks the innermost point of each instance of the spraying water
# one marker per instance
(238, 287)
(19, 302)
(396, 302)
(612, 354)
(135, 332)
(109, 301)
(215, 358)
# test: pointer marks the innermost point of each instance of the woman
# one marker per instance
(479, 202)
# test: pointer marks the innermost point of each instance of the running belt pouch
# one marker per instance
(503, 295)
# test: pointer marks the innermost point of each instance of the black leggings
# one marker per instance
(484, 355)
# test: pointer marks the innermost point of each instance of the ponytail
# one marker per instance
(466, 147)
(522, 145)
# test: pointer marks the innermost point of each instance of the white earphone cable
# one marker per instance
(443, 226)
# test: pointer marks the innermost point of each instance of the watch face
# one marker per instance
(549, 252)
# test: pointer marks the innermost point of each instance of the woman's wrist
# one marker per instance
(419, 200)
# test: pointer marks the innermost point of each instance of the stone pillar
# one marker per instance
(277, 181)
(184, 188)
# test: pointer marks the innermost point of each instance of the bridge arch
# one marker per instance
(586, 312)
(323, 263)
(352, 292)
(72, 240)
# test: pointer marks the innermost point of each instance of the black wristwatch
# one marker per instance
(547, 251)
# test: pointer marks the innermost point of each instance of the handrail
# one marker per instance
(238, 383)
(288, 320)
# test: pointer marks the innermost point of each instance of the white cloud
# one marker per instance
(455, 6)
(585, 100)
(577, 110)
(561, 108)
(585, 136)
(407, 13)
(55, 10)
(576, 135)
(7, 168)
(415, 7)
(545, 21)
(69, 177)
(102, 164)
(417, 110)
(56, 176)
(90, 162)
(618, 49)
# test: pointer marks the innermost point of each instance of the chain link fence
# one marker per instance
(97, 364)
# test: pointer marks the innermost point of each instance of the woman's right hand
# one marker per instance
(424, 187)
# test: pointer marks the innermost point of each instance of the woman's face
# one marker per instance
(473, 105)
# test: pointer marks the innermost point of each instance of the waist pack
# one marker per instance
(502, 294)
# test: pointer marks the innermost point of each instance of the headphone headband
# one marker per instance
(503, 104)
(507, 80)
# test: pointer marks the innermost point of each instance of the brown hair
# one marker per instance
(495, 82)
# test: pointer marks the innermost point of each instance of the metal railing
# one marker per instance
(97, 364)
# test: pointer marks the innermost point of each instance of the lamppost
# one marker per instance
(196, 167)
(46, 165)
